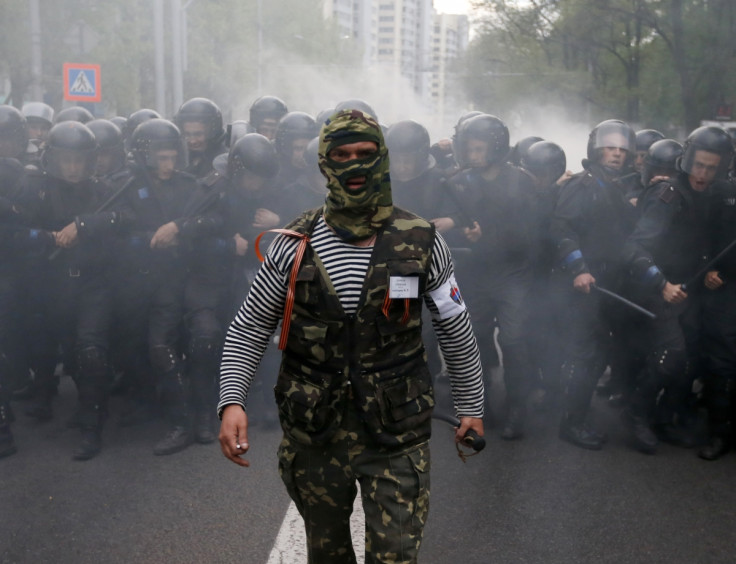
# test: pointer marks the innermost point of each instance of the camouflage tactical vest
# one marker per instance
(374, 357)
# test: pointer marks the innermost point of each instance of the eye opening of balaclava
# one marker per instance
(355, 214)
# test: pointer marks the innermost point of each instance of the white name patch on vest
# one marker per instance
(403, 287)
(448, 300)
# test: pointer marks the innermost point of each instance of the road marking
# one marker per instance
(291, 542)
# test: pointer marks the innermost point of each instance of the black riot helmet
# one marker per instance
(236, 130)
(252, 153)
(486, 128)
(520, 149)
(545, 160)
(13, 132)
(266, 107)
(205, 111)
(138, 117)
(294, 125)
(323, 116)
(611, 133)
(645, 138)
(153, 136)
(712, 140)
(311, 155)
(70, 152)
(661, 160)
(110, 147)
(408, 145)
(74, 113)
(121, 122)
(355, 104)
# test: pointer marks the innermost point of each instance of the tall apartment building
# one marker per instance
(405, 40)
(449, 41)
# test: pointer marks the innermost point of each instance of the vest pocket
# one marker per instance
(406, 402)
(308, 405)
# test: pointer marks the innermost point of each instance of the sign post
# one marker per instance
(82, 83)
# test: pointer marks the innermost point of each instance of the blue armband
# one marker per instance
(651, 273)
(572, 257)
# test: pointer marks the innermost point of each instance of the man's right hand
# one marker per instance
(673, 293)
(234, 434)
(583, 282)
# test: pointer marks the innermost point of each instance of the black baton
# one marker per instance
(624, 301)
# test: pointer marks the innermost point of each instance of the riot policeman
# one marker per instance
(265, 114)
(13, 133)
(134, 120)
(40, 118)
(518, 152)
(668, 246)
(644, 140)
(719, 312)
(494, 206)
(17, 243)
(73, 288)
(418, 186)
(200, 122)
(111, 166)
(589, 225)
(74, 113)
(152, 275)
(294, 132)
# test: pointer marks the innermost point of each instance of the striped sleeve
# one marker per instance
(456, 339)
(255, 322)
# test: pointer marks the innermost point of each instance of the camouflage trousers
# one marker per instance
(394, 487)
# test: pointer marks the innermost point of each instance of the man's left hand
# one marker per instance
(67, 237)
(165, 236)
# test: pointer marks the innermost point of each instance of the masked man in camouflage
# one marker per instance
(354, 394)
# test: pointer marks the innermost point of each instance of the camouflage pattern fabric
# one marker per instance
(355, 215)
(376, 355)
(394, 486)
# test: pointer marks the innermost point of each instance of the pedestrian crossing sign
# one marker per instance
(82, 83)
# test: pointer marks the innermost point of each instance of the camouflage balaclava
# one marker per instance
(355, 214)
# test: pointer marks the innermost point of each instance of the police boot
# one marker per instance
(579, 434)
(641, 436)
(41, 406)
(89, 446)
(93, 388)
(513, 427)
(204, 355)
(7, 445)
(717, 446)
(175, 392)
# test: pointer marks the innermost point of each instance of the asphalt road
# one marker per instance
(537, 500)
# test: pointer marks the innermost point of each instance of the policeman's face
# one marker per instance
(703, 170)
(72, 166)
(639, 161)
(267, 128)
(298, 146)
(164, 163)
(613, 152)
(38, 131)
(104, 163)
(476, 153)
(404, 166)
(250, 182)
(195, 134)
